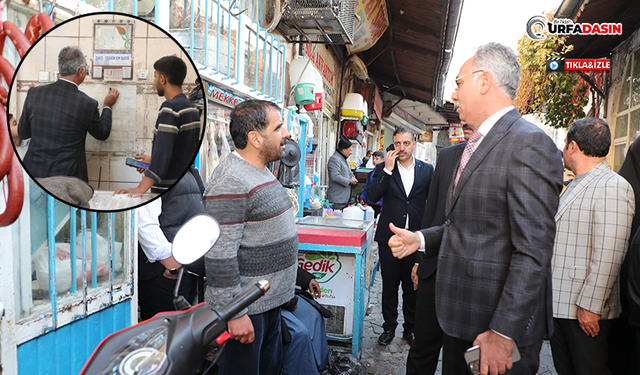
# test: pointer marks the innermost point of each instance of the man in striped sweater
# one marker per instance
(176, 138)
(258, 239)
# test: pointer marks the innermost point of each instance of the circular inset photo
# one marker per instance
(106, 112)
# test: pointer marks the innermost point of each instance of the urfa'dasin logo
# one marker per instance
(564, 26)
(323, 266)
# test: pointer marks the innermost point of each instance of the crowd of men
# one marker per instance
(490, 248)
(509, 256)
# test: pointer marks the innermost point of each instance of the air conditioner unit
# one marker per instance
(318, 21)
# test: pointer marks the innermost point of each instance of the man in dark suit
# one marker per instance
(493, 282)
(425, 349)
(402, 181)
(57, 117)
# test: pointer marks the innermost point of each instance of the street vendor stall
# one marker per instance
(339, 254)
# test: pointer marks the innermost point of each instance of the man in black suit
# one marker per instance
(425, 349)
(402, 181)
(57, 117)
(493, 282)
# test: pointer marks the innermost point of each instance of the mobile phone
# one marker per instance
(472, 357)
(136, 163)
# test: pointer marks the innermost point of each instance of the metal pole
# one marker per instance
(302, 138)
(51, 241)
(73, 234)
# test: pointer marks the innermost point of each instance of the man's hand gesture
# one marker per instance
(403, 242)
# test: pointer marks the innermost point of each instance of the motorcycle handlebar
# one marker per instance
(243, 300)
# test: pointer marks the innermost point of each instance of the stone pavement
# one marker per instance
(392, 359)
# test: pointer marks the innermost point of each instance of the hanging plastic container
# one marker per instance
(353, 105)
(319, 96)
(302, 78)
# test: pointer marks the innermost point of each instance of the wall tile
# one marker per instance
(120, 172)
(33, 63)
(95, 161)
(69, 29)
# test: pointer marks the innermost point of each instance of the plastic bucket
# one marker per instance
(319, 97)
(304, 93)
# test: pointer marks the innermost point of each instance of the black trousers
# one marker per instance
(453, 362)
(156, 295)
(263, 356)
(395, 271)
(622, 347)
(425, 350)
(575, 353)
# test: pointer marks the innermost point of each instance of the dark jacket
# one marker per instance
(179, 204)
(57, 117)
(445, 172)
(496, 245)
(396, 203)
(363, 195)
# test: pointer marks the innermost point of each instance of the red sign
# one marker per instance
(223, 97)
(319, 63)
(455, 133)
(587, 64)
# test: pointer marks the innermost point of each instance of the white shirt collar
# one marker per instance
(488, 124)
(413, 164)
(64, 79)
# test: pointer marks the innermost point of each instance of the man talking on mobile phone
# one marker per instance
(402, 182)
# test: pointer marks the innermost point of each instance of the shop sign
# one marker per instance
(371, 22)
(335, 274)
(455, 133)
(320, 62)
(408, 118)
(224, 97)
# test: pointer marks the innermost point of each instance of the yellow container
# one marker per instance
(352, 113)
(353, 105)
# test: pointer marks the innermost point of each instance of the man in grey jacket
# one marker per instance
(340, 176)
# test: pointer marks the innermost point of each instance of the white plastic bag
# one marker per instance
(63, 262)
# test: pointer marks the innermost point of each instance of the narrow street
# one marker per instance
(392, 359)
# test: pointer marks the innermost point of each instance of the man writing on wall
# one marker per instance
(57, 117)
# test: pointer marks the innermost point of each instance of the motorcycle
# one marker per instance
(174, 342)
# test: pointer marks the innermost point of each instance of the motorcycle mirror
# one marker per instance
(195, 238)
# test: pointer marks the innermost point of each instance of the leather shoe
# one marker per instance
(386, 337)
(408, 337)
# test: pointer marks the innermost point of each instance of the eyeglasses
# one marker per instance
(455, 81)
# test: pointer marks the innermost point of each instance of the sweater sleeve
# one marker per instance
(164, 141)
(228, 205)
